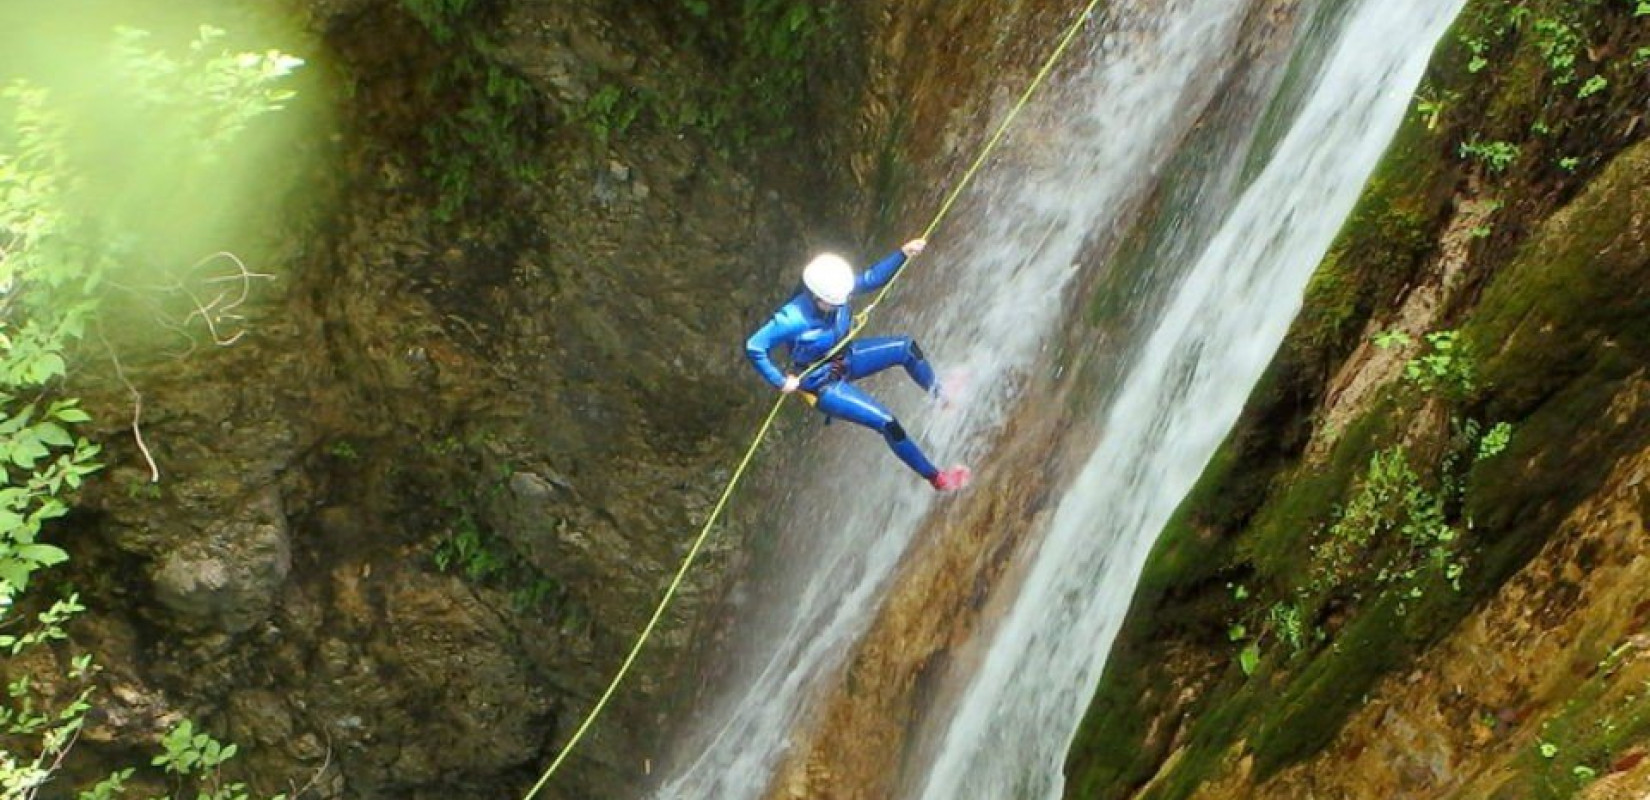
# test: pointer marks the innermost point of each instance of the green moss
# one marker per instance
(1557, 458)
(1181, 555)
(484, 137)
(1213, 734)
(1276, 540)
(1317, 700)
(1606, 714)
(1384, 243)
(1183, 587)
(1560, 328)
(892, 177)
(1567, 327)
(443, 18)
(1576, 292)
(1112, 744)
(769, 55)
(1111, 754)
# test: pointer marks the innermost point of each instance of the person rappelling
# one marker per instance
(814, 321)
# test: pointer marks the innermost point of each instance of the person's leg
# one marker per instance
(873, 355)
(842, 400)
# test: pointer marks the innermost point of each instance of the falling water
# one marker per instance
(1009, 735)
(1148, 69)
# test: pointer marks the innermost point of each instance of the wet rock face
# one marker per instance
(408, 525)
(1518, 680)
(228, 578)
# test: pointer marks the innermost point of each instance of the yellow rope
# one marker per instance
(659, 612)
(767, 424)
(990, 145)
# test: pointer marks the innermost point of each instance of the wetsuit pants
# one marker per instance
(840, 399)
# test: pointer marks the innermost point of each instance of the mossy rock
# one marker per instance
(1562, 321)
(1564, 327)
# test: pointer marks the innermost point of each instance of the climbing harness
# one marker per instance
(859, 323)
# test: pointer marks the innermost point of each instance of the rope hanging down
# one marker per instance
(860, 321)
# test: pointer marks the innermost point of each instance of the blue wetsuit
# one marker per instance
(810, 334)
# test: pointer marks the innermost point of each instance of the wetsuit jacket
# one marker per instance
(809, 332)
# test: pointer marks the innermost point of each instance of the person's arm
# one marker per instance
(884, 271)
(781, 329)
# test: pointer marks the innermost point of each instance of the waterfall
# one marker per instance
(983, 303)
(1188, 383)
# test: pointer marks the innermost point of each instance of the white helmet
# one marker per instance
(830, 278)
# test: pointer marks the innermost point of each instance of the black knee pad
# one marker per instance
(894, 432)
(916, 352)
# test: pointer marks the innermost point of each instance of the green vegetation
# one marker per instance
(482, 556)
(486, 122)
(65, 246)
(1608, 713)
(1360, 550)
(610, 112)
(467, 546)
(765, 51)
(1496, 156)
(87, 222)
(192, 758)
(773, 45)
(489, 124)
(443, 18)
(1549, 54)
(1445, 367)
(47, 733)
(1396, 533)
(188, 753)
(490, 135)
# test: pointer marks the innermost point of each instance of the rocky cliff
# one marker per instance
(1411, 570)
(405, 528)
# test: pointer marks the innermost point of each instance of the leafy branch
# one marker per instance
(62, 252)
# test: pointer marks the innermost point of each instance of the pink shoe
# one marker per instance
(950, 480)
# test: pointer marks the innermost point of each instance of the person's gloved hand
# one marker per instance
(914, 247)
(791, 384)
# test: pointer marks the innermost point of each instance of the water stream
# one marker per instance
(1009, 736)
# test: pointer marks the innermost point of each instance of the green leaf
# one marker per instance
(26, 450)
(72, 415)
(1249, 659)
(43, 554)
(53, 434)
(16, 573)
(51, 508)
(46, 367)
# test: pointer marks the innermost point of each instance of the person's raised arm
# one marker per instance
(884, 271)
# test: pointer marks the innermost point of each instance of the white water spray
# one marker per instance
(1014, 723)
